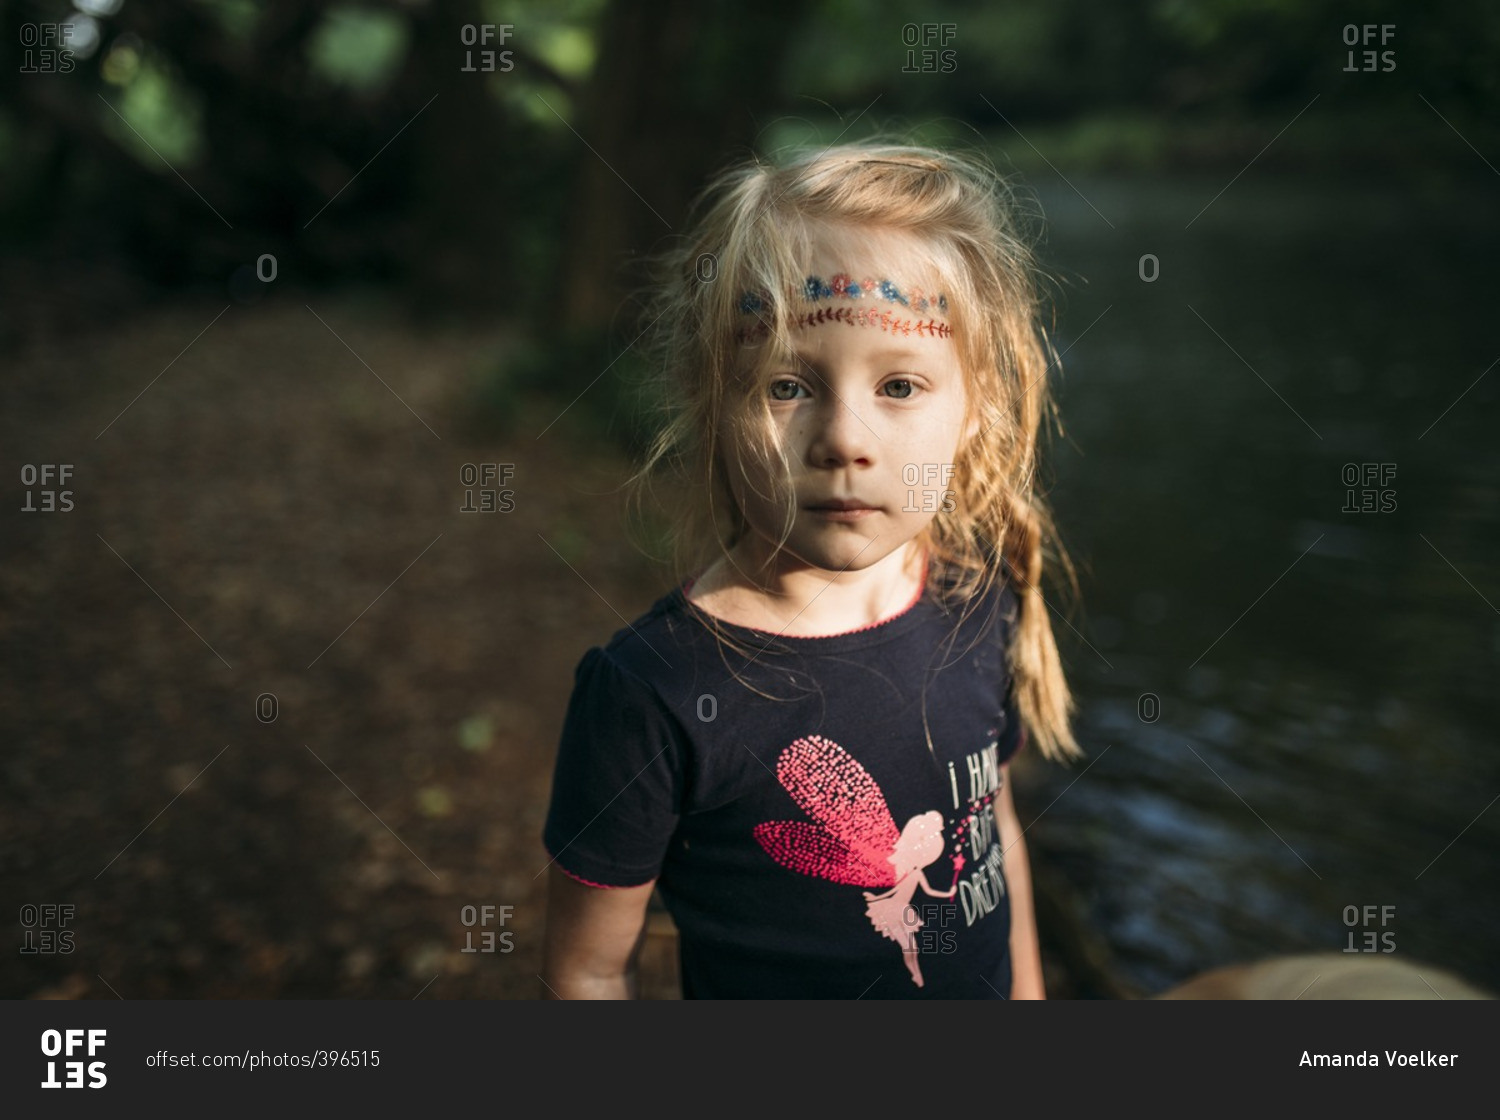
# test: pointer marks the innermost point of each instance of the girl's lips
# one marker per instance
(834, 514)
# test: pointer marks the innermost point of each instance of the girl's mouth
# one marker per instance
(836, 513)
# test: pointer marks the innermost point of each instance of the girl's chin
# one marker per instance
(830, 545)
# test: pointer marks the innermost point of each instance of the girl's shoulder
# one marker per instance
(662, 649)
(641, 646)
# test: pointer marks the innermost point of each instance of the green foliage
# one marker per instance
(238, 17)
(162, 117)
(358, 48)
(562, 37)
(561, 33)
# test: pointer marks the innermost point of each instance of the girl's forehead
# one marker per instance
(892, 253)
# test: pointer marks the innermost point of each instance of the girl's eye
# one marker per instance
(785, 389)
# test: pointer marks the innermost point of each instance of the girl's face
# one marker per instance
(866, 415)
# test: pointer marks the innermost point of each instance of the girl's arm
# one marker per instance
(593, 938)
(1025, 949)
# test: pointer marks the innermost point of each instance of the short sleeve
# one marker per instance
(616, 787)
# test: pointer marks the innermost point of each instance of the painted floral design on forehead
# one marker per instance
(839, 292)
(842, 286)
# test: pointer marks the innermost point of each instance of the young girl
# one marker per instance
(806, 744)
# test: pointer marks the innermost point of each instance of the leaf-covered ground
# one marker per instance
(267, 503)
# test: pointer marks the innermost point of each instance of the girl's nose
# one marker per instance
(842, 436)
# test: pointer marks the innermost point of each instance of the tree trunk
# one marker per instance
(679, 89)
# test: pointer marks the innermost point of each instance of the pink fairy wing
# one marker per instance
(813, 850)
(855, 833)
(834, 789)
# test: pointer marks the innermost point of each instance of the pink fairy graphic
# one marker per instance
(854, 840)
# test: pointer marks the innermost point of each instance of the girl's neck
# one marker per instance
(793, 599)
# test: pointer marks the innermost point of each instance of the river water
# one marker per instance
(1279, 481)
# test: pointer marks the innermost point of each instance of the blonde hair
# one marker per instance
(751, 234)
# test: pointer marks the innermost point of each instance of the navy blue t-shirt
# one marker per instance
(817, 826)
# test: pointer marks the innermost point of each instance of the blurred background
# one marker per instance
(318, 383)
